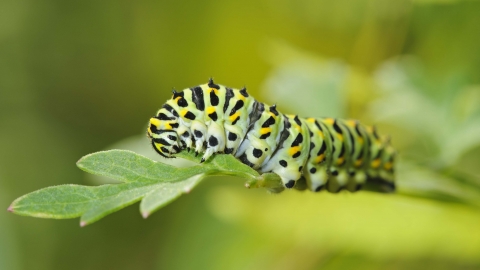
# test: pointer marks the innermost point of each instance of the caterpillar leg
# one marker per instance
(199, 131)
(338, 179)
(185, 137)
(255, 152)
(316, 176)
(215, 139)
(288, 174)
(356, 181)
(286, 167)
(234, 138)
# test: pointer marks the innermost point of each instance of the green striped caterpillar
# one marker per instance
(327, 153)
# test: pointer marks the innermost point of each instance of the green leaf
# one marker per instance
(127, 166)
(155, 183)
(166, 193)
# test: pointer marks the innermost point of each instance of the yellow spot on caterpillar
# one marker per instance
(320, 133)
(177, 98)
(158, 145)
(210, 110)
(351, 123)
(311, 120)
(319, 158)
(168, 126)
(214, 90)
(358, 162)
(376, 163)
(265, 130)
(360, 140)
(272, 114)
(329, 121)
(388, 166)
(340, 160)
(183, 112)
(234, 116)
(340, 137)
(293, 150)
(155, 122)
(241, 97)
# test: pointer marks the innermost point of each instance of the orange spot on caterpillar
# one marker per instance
(320, 158)
(358, 162)
(265, 130)
(375, 163)
(293, 150)
(234, 116)
(340, 160)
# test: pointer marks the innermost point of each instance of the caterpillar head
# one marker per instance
(163, 133)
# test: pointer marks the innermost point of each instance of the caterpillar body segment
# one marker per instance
(324, 153)
(293, 151)
(317, 167)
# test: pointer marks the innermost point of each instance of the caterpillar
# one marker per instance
(326, 153)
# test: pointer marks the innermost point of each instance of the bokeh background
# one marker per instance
(80, 76)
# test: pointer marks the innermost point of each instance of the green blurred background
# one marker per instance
(78, 76)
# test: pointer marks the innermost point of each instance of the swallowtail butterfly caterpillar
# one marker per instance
(327, 153)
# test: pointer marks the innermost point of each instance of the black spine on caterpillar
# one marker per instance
(324, 153)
